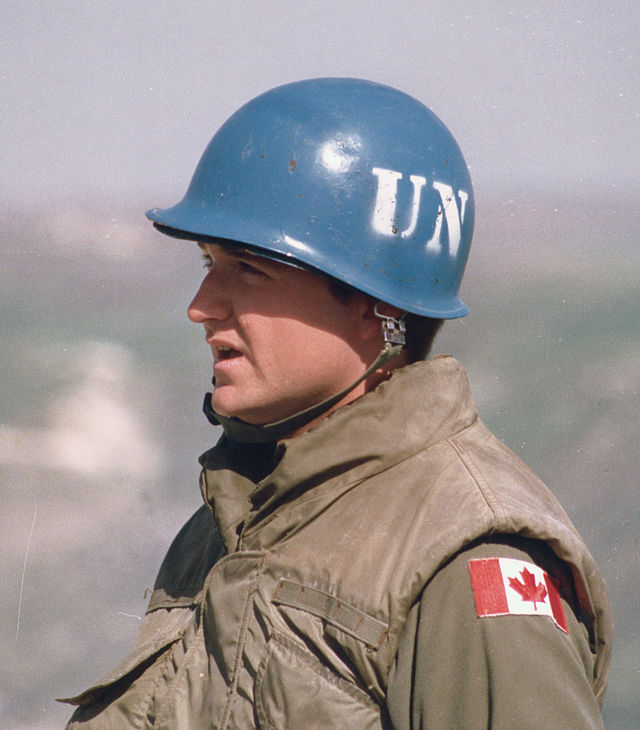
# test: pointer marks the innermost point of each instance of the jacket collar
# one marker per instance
(420, 405)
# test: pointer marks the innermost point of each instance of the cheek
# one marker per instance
(276, 347)
(292, 353)
(295, 354)
(316, 356)
(287, 353)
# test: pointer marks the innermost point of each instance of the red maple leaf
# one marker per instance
(529, 590)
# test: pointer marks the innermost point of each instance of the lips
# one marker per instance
(222, 353)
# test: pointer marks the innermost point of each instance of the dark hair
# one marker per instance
(421, 331)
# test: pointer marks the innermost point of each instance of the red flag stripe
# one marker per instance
(488, 587)
(557, 608)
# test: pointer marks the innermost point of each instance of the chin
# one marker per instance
(232, 408)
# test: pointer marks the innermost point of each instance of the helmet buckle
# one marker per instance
(393, 330)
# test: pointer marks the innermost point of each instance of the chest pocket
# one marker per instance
(295, 690)
(130, 688)
(295, 687)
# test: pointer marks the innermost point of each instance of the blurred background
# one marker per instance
(106, 109)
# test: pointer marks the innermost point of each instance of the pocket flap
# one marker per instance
(159, 629)
(334, 611)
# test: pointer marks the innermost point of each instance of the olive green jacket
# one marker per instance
(335, 593)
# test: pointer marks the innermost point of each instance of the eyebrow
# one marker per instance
(242, 253)
(232, 248)
(235, 249)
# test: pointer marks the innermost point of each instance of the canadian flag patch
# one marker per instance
(504, 586)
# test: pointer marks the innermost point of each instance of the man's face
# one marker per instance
(281, 341)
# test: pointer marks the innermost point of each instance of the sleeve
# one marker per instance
(455, 669)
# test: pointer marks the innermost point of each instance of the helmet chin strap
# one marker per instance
(238, 430)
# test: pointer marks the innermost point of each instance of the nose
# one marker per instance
(210, 301)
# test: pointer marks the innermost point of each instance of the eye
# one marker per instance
(246, 268)
(207, 261)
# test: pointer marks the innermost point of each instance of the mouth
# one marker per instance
(223, 353)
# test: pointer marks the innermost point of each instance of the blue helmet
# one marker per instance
(355, 180)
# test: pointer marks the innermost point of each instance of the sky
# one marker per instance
(105, 100)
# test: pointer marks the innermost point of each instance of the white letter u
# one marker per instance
(384, 212)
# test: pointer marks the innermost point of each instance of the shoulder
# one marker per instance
(496, 639)
(500, 590)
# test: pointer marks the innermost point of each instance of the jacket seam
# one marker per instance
(165, 702)
(235, 677)
(475, 473)
(152, 695)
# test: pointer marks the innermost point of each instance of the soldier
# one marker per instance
(368, 555)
